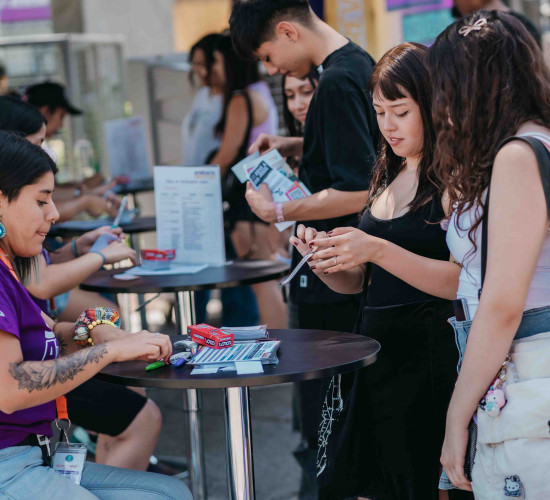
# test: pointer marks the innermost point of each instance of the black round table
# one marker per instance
(236, 273)
(303, 355)
(78, 227)
(135, 186)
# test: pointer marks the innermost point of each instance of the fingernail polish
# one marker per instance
(303, 241)
(312, 266)
(325, 272)
(311, 243)
(294, 243)
(329, 232)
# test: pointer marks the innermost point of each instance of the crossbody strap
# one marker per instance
(543, 160)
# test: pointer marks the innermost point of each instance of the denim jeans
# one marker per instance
(533, 322)
(23, 476)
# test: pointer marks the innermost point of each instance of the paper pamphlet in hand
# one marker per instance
(272, 169)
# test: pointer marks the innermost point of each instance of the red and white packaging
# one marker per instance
(209, 336)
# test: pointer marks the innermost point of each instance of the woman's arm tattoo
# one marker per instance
(62, 344)
(40, 375)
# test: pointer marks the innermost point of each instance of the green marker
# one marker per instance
(154, 366)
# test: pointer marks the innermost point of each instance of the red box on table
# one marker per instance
(209, 336)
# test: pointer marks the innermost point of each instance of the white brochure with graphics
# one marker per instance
(189, 213)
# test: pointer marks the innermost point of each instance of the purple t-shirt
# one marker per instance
(21, 317)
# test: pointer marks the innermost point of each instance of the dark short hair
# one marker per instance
(21, 164)
(239, 74)
(252, 22)
(207, 44)
(19, 116)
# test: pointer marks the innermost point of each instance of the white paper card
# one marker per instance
(127, 150)
(204, 370)
(172, 270)
(189, 213)
(248, 367)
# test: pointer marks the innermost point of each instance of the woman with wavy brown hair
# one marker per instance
(491, 109)
(383, 437)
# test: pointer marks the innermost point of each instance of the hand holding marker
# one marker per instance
(121, 209)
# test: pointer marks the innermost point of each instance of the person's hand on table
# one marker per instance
(117, 251)
(261, 202)
(454, 452)
(104, 188)
(96, 205)
(85, 241)
(342, 249)
(142, 346)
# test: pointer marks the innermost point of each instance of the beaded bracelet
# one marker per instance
(91, 318)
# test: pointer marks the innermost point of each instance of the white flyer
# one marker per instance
(189, 213)
(127, 150)
(272, 169)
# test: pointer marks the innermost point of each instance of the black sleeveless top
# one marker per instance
(418, 232)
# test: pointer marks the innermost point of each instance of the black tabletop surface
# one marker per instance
(303, 355)
(78, 227)
(137, 186)
(240, 272)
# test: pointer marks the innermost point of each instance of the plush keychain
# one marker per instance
(495, 399)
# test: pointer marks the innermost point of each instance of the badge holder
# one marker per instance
(68, 458)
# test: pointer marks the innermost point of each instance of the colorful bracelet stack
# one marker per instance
(91, 318)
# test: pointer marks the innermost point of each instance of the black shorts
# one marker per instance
(104, 408)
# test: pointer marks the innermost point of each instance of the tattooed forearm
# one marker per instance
(40, 375)
(62, 344)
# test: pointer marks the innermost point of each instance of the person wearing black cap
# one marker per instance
(52, 101)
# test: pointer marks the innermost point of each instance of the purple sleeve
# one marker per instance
(9, 312)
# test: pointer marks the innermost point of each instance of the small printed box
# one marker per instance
(210, 336)
(155, 259)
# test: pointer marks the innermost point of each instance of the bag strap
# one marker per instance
(543, 161)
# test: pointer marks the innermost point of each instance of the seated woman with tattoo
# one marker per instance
(33, 375)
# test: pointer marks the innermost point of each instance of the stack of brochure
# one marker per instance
(272, 169)
(263, 351)
(246, 333)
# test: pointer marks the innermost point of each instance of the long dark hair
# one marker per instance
(16, 115)
(21, 164)
(486, 83)
(238, 75)
(207, 44)
(293, 126)
(401, 73)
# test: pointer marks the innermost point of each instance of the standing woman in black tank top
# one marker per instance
(383, 426)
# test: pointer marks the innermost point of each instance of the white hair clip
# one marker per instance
(465, 30)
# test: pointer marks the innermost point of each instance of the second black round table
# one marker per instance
(237, 273)
(78, 227)
(303, 355)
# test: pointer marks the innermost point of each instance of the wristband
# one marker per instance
(91, 318)
(73, 247)
(279, 212)
(102, 256)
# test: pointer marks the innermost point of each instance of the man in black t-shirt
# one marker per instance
(338, 152)
(338, 149)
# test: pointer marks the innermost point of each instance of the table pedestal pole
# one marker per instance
(239, 444)
(185, 316)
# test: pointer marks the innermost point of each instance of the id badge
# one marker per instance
(68, 460)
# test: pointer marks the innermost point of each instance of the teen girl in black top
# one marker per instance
(383, 438)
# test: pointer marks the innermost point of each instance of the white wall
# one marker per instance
(146, 24)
